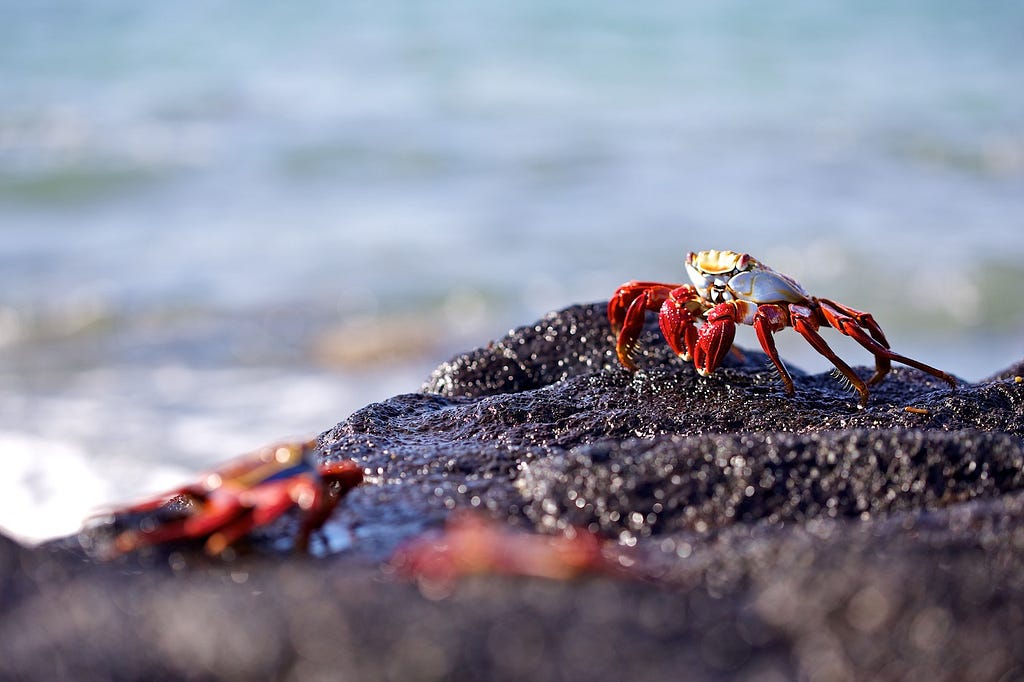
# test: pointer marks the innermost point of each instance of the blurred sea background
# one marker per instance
(229, 223)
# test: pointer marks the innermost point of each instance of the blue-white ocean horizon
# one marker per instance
(226, 224)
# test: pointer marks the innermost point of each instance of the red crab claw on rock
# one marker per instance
(247, 493)
(714, 338)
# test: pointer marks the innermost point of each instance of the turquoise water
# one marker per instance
(226, 223)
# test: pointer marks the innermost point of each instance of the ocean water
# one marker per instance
(228, 223)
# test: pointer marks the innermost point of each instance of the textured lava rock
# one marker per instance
(769, 537)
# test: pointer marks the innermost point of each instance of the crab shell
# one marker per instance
(721, 276)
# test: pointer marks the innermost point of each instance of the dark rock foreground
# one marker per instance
(764, 537)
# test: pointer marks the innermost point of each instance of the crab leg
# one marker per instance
(215, 515)
(769, 319)
(626, 343)
(641, 297)
(230, 533)
(625, 295)
(805, 324)
(320, 505)
(265, 505)
(865, 320)
(831, 310)
(849, 326)
(315, 501)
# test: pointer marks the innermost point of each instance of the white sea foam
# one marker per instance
(48, 486)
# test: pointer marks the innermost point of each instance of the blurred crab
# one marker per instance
(729, 288)
(246, 493)
(471, 544)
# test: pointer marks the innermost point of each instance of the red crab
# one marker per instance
(246, 493)
(729, 288)
(473, 545)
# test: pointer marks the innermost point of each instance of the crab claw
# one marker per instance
(677, 321)
(714, 338)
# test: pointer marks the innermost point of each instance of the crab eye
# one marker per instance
(743, 262)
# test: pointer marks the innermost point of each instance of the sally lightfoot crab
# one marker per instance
(246, 493)
(729, 288)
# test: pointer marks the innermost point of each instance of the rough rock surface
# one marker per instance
(768, 537)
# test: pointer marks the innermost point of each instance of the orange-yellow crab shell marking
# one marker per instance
(714, 262)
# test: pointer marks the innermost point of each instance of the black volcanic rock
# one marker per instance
(767, 537)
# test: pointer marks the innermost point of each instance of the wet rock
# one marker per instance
(667, 484)
(766, 536)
